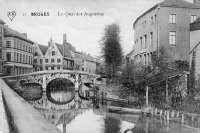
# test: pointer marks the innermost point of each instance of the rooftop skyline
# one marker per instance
(83, 32)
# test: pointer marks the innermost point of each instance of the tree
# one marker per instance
(111, 50)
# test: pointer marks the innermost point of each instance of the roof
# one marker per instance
(195, 25)
(67, 48)
(195, 47)
(2, 22)
(171, 3)
(130, 53)
(8, 32)
(85, 57)
(43, 48)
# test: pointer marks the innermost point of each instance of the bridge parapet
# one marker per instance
(44, 77)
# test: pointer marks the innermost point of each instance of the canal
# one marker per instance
(98, 119)
(70, 113)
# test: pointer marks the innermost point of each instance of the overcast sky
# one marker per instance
(83, 32)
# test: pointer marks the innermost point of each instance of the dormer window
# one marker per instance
(53, 53)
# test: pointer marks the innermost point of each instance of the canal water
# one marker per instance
(89, 119)
(96, 121)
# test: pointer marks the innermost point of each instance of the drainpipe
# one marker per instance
(157, 25)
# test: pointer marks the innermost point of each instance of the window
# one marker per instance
(24, 60)
(193, 18)
(35, 60)
(8, 44)
(20, 57)
(15, 43)
(52, 68)
(46, 68)
(46, 60)
(145, 41)
(40, 61)
(24, 47)
(1, 30)
(52, 60)
(36, 54)
(8, 56)
(17, 57)
(1, 53)
(53, 53)
(1, 41)
(31, 60)
(58, 67)
(172, 38)
(140, 43)
(58, 60)
(152, 20)
(151, 39)
(172, 18)
(140, 58)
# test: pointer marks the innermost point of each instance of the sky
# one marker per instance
(83, 32)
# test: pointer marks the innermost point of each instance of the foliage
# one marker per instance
(162, 62)
(156, 74)
(111, 49)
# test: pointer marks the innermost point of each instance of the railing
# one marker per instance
(187, 119)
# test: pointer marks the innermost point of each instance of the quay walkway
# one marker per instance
(3, 121)
(23, 117)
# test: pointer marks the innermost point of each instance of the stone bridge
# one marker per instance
(44, 81)
(45, 77)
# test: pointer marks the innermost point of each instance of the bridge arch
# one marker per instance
(60, 91)
(31, 91)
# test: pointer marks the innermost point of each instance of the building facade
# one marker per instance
(59, 56)
(18, 52)
(85, 62)
(166, 24)
(1, 45)
(63, 56)
(39, 57)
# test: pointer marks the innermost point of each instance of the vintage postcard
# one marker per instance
(99, 66)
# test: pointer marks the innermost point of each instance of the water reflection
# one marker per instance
(60, 91)
(89, 122)
(98, 121)
(61, 96)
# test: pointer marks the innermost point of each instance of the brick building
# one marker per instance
(18, 52)
(1, 45)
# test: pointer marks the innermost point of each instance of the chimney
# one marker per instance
(24, 34)
(64, 38)
(196, 2)
(64, 41)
